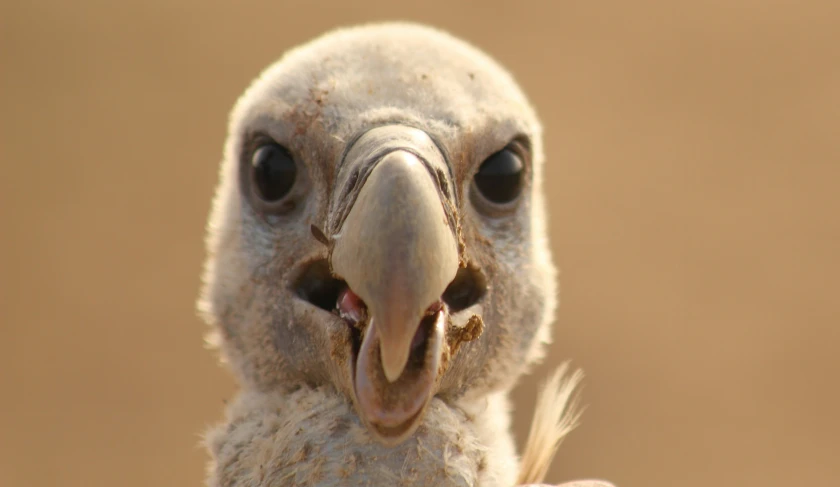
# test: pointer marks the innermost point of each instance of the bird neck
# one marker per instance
(312, 436)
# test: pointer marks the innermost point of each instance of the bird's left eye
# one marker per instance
(273, 172)
(499, 179)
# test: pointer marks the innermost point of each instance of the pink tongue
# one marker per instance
(350, 306)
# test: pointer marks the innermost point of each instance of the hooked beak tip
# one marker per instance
(394, 360)
(392, 369)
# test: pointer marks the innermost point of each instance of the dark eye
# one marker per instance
(499, 179)
(273, 172)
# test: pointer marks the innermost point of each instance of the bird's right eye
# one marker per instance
(273, 172)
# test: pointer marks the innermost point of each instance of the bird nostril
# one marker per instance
(317, 286)
(465, 290)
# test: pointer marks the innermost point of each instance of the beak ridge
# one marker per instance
(397, 252)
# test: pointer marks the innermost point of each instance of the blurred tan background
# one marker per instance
(694, 164)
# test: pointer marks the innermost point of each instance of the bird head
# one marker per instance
(379, 226)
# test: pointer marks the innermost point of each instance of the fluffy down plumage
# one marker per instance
(374, 299)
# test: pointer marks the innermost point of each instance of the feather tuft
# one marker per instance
(556, 415)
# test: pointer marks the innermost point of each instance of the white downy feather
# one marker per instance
(557, 413)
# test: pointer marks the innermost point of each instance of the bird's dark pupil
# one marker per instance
(500, 177)
(274, 172)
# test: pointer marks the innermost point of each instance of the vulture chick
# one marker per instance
(378, 274)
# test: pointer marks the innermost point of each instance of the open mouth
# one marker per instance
(392, 408)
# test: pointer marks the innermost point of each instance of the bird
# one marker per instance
(378, 274)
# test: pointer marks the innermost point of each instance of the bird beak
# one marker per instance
(396, 250)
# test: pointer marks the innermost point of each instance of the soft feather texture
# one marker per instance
(315, 100)
(313, 437)
(555, 417)
(294, 423)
